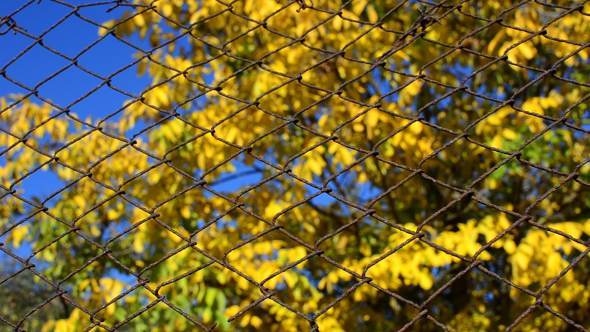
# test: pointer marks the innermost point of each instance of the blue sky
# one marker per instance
(70, 38)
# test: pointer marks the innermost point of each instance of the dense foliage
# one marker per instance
(338, 160)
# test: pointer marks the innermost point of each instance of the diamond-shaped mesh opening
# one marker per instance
(28, 58)
(37, 18)
(117, 53)
(86, 108)
(50, 88)
(70, 48)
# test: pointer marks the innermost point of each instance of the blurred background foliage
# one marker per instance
(287, 149)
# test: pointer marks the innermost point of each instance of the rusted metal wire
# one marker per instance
(431, 14)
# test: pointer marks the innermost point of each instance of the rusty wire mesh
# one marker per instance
(427, 17)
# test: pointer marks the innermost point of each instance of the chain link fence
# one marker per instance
(287, 165)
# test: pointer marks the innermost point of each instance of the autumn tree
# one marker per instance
(332, 165)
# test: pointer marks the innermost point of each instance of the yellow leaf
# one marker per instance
(509, 134)
(372, 14)
(358, 6)
(256, 321)
(138, 243)
(425, 281)
(509, 247)
(527, 50)
(316, 164)
(185, 211)
(272, 209)
(113, 214)
(230, 311)
(18, 234)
